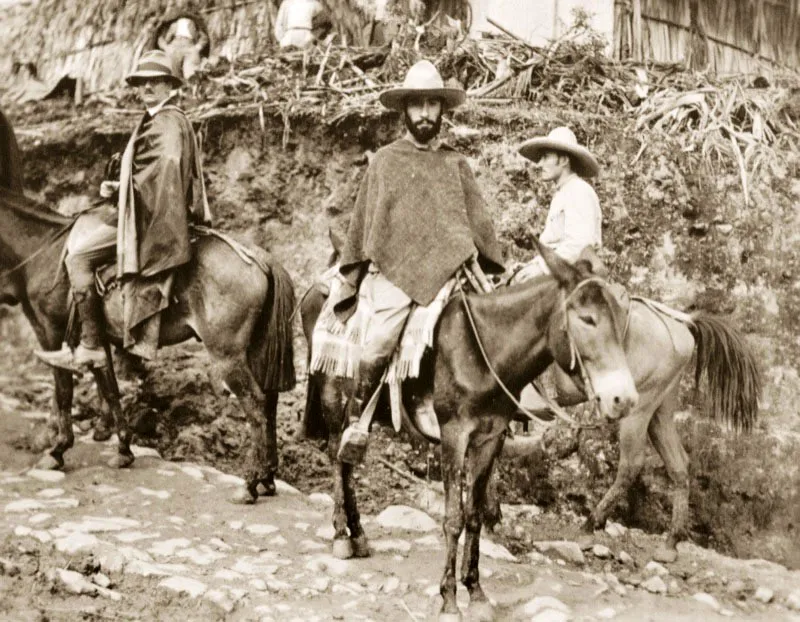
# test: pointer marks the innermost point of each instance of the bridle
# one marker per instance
(576, 360)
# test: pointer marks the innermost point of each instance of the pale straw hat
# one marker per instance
(423, 79)
(562, 139)
(153, 64)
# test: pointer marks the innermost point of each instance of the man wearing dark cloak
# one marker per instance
(418, 217)
(160, 193)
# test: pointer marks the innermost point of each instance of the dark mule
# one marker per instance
(241, 313)
(523, 329)
(659, 345)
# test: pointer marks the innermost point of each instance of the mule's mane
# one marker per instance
(30, 208)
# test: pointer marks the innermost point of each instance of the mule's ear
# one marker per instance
(597, 266)
(336, 241)
(561, 269)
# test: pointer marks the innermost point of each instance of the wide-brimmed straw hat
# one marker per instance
(153, 64)
(423, 80)
(562, 139)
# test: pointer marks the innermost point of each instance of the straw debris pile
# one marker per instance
(724, 121)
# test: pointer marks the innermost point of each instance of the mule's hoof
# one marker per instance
(450, 617)
(266, 488)
(481, 611)
(665, 555)
(102, 434)
(587, 527)
(343, 548)
(49, 463)
(360, 546)
(242, 496)
(121, 461)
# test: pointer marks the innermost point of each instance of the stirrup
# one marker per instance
(59, 359)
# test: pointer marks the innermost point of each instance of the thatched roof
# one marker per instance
(726, 36)
(99, 40)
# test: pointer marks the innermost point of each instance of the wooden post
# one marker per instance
(638, 43)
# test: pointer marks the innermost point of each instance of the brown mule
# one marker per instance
(523, 329)
(241, 313)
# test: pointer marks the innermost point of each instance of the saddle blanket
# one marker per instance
(337, 346)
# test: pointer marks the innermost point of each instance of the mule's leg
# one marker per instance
(454, 447)
(61, 415)
(665, 439)
(334, 415)
(270, 464)
(260, 466)
(357, 535)
(479, 462)
(109, 392)
(632, 447)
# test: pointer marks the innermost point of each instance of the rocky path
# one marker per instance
(160, 542)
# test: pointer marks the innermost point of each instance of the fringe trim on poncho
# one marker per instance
(337, 346)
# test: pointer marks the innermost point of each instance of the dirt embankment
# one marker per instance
(675, 230)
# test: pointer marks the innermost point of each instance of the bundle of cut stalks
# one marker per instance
(725, 121)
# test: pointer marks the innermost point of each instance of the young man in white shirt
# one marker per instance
(574, 219)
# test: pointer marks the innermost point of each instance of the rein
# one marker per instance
(51, 240)
(575, 355)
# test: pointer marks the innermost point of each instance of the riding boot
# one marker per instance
(90, 352)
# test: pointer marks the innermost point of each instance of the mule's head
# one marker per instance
(586, 335)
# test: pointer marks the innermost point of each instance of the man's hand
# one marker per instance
(109, 189)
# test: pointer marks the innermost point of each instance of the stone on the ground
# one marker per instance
(46, 476)
(615, 530)
(99, 524)
(655, 584)
(736, 588)
(41, 517)
(193, 472)
(390, 585)
(100, 579)
(221, 599)
(626, 559)
(654, 568)
(764, 594)
(50, 493)
(76, 583)
(320, 584)
(606, 614)
(282, 488)
(136, 536)
(258, 584)
(259, 529)
(328, 564)
(561, 549)
(390, 546)
(601, 551)
(793, 600)
(24, 505)
(707, 599)
(158, 494)
(546, 609)
(320, 498)
(326, 532)
(166, 548)
(309, 546)
(226, 574)
(77, 541)
(144, 452)
(202, 555)
(184, 585)
(405, 517)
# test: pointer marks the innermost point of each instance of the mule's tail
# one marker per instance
(729, 367)
(272, 350)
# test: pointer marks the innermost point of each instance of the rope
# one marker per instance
(45, 247)
(558, 411)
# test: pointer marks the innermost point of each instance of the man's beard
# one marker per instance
(423, 131)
